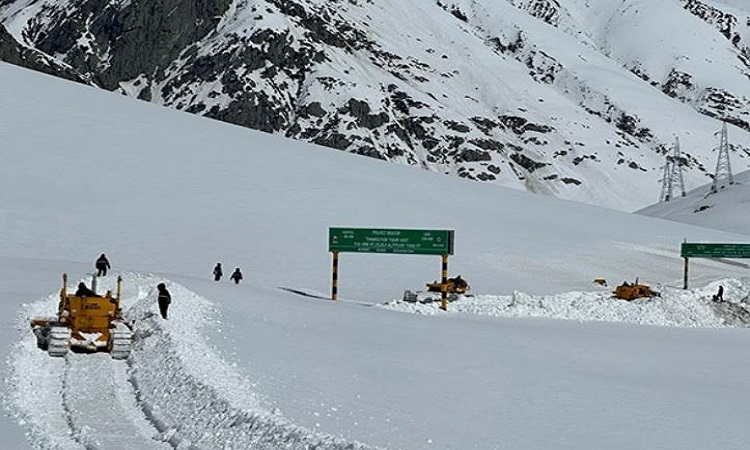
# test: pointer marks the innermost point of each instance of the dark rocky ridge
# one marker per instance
(13, 52)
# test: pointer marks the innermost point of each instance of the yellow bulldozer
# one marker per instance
(88, 322)
(455, 285)
(632, 291)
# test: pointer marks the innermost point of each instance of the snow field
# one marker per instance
(176, 391)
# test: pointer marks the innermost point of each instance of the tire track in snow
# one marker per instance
(35, 386)
(101, 405)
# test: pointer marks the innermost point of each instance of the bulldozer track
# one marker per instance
(58, 341)
(122, 341)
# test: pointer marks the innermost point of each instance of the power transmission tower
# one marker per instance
(723, 174)
(678, 162)
(666, 182)
(672, 176)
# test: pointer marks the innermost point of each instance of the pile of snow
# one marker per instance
(673, 307)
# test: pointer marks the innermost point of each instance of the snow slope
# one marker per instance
(573, 99)
(256, 365)
(722, 210)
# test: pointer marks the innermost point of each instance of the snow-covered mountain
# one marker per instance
(577, 99)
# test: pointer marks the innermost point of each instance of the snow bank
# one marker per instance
(194, 398)
(675, 307)
(34, 394)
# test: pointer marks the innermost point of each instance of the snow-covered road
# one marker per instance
(174, 391)
(177, 391)
(101, 406)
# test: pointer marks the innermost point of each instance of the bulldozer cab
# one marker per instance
(90, 311)
(455, 285)
(628, 291)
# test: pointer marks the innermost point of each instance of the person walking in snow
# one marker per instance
(720, 294)
(218, 272)
(164, 299)
(236, 276)
(101, 265)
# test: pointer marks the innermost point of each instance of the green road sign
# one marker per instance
(386, 240)
(690, 250)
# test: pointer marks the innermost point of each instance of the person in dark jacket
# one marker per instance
(236, 276)
(84, 291)
(102, 264)
(720, 294)
(218, 272)
(164, 299)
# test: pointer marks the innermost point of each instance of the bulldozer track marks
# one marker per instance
(101, 405)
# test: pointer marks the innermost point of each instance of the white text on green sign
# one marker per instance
(390, 240)
(695, 250)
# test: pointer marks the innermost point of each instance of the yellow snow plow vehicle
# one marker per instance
(455, 285)
(628, 291)
(85, 321)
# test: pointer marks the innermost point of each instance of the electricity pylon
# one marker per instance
(672, 176)
(723, 174)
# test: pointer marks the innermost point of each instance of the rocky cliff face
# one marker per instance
(13, 52)
(551, 96)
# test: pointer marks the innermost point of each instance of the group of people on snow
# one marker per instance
(164, 298)
(218, 273)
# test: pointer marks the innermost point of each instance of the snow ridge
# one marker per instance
(675, 307)
(184, 387)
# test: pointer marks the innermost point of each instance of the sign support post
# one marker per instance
(444, 284)
(335, 276)
(685, 281)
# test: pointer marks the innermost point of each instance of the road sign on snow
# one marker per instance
(388, 240)
(693, 250)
